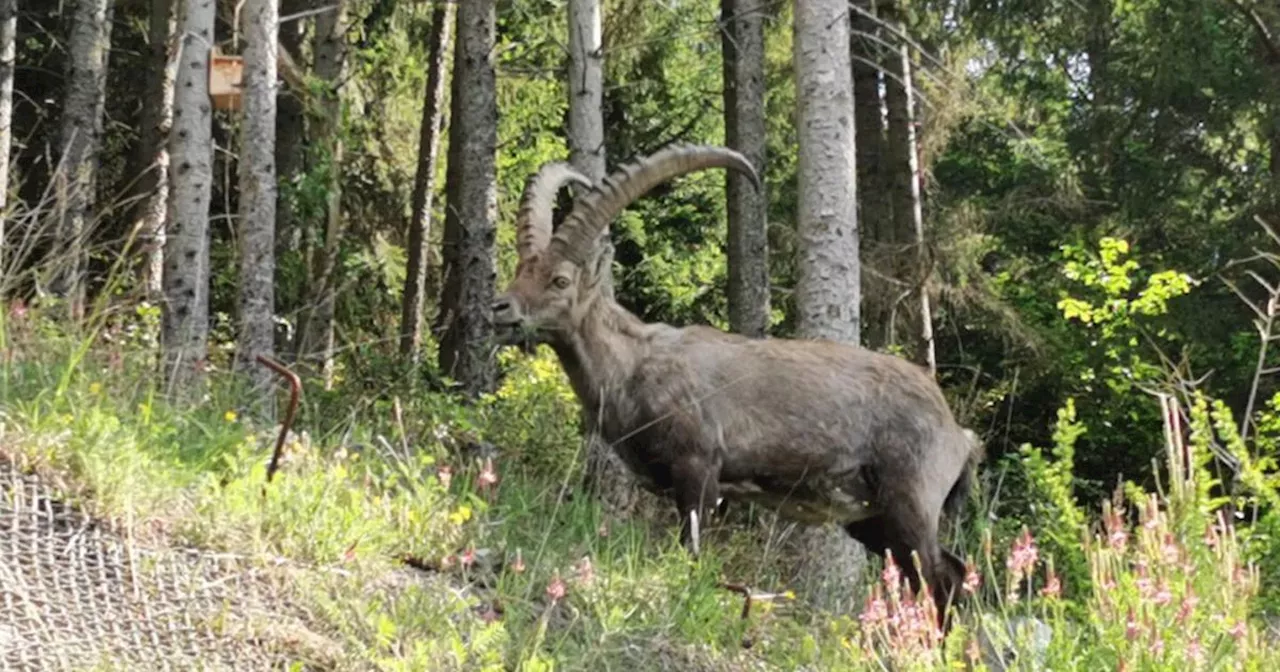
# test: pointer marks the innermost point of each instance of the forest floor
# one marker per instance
(408, 532)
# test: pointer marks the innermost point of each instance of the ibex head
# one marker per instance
(558, 276)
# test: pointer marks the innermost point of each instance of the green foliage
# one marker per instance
(1052, 506)
(1123, 346)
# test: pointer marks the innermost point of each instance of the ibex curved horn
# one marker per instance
(533, 221)
(593, 211)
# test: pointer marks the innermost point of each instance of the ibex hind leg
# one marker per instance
(905, 527)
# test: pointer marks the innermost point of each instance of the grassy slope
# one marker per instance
(362, 491)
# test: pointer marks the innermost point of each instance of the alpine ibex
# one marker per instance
(816, 429)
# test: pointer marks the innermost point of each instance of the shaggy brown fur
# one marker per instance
(820, 430)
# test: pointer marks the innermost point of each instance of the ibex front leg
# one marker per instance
(696, 481)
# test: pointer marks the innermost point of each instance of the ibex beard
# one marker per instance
(818, 430)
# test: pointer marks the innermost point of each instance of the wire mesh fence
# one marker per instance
(74, 595)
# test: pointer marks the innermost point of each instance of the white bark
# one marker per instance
(185, 331)
(745, 131)
(827, 291)
(8, 38)
(258, 192)
(415, 281)
(605, 474)
(586, 90)
(81, 138)
(926, 351)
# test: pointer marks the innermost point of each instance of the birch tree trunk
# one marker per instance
(80, 141)
(586, 90)
(827, 290)
(185, 328)
(316, 334)
(153, 152)
(413, 300)
(471, 200)
(8, 39)
(742, 40)
(606, 477)
(908, 298)
(258, 198)
(922, 336)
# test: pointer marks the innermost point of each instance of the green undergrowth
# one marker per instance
(437, 535)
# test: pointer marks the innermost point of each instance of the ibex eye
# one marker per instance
(560, 282)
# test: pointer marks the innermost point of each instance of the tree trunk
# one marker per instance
(605, 474)
(80, 141)
(471, 195)
(185, 329)
(875, 208)
(827, 290)
(153, 153)
(742, 40)
(586, 90)
(8, 40)
(1097, 47)
(415, 282)
(922, 336)
(908, 301)
(316, 333)
(290, 131)
(258, 199)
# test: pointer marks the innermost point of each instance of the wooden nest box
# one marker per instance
(226, 80)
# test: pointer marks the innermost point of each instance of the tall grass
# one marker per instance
(427, 533)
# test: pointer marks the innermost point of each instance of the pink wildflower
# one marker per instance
(1170, 552)
(445, 475)
(1053, 587)
(972, 579)
(1131, 626)
(1211, 536)
(1195, 651)
(875, 612)
(488, 477)
(584, 570)
(892, 576)
(1022, 558)
(1117, 535)
(556, 589)
(1239, 630)
(1162, 595)
(1189, 602)
(468, 557)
